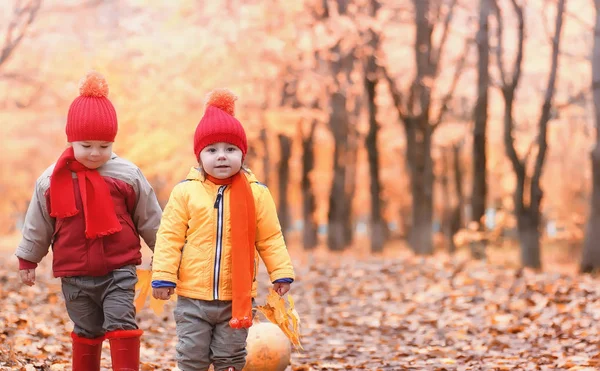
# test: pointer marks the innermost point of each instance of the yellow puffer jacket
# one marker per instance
(193, 244)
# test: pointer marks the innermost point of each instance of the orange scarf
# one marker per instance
(98, 207)
(243, 235)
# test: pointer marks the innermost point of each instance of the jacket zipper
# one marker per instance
(219, 248)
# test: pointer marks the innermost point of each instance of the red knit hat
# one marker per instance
(91, 115)
(218, 124)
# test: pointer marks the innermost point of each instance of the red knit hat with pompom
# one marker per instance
(91, 115)
(218, 124)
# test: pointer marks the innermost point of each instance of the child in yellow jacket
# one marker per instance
(215, 222)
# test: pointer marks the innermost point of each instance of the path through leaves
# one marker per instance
(376, 314)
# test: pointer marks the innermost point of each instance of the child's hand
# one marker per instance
(163, 293)
(27, 276)
(281, 288)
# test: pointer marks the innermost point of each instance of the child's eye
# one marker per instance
(231, 149)
(104, 147)
(85, 145)
(212, 150)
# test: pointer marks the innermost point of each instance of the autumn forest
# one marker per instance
(448, 148)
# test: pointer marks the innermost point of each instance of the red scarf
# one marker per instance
(98, 207)
(243, 235)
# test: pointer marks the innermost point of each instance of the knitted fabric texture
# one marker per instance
(98, 207)
(242, 211)
(91, 115)
(218, 123)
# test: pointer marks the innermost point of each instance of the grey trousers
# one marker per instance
(205, 336)
(97, 305)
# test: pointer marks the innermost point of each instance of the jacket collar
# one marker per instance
(196, 174)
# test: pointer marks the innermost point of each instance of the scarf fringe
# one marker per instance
(64, 215)
(237, 323)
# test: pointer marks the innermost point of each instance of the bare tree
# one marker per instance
(420, 121)
(283, 172)
(289, 98)
(591, 248)
(309, 204)
(378, 228)
(479, 185)
(266, 158)
(23, 15)
(528, 214)
(341, 63)
(452, 218)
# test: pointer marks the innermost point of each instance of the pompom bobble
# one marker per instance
(93, 85)
(222, 99)
(91, 115)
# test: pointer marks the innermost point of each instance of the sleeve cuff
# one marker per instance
(284, 280)
(26, 264)
(159, 284)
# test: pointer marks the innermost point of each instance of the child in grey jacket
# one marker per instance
(92, 207)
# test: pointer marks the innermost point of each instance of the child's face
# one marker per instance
(221, 160)
(92, 153)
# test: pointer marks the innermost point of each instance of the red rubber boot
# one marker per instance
(86, 353)
(125, 349)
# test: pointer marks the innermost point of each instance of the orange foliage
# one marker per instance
(159, 78)
(286, 319)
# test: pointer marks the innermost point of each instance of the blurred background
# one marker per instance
(449, 125)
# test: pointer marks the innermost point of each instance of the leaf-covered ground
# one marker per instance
(401, 313)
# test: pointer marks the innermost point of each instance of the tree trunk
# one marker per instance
(340, 229)
(350, 163)
(420, 164)
(283, 171)
(458, 185)
(378, 229)
(528, 216)
(479, 190)
(528, 224)
(448, 209)
(338, 203)
(266, 157)
(309, 204)
(420, 236)
(479, 187)
(590, 260)
(452, 220)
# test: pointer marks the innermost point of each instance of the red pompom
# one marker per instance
(93, 85)
(222, 99)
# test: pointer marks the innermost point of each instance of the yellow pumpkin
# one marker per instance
(268, 348)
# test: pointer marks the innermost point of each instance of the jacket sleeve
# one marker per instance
(171, 237)
(269, 238)
(38, 227)
(147, 212)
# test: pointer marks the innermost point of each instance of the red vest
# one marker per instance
(74, 255)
